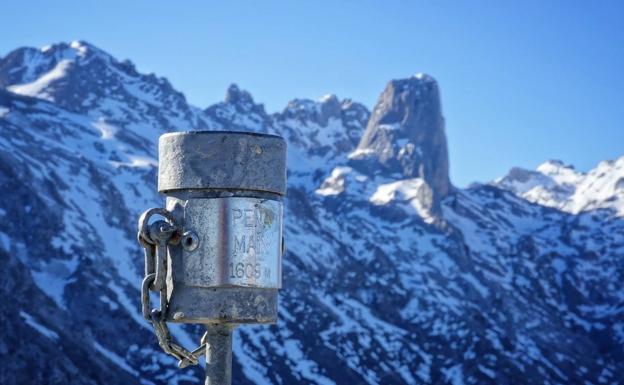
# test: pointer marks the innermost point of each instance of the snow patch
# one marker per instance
(107, 131)
(414, 192)
(38, 327)
(423, 76)
(115, 359)
(390, 127)
(79, 46)
(39, 87)
(306, 368)
(361, 153)
(454, 375)
(325, 98)
(335, 183)
(5, 241)
(111, 305)
(53, 278)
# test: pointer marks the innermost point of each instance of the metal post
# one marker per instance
(215, 258)
(218, 341)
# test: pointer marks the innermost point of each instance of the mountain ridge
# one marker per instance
(560, 185)
(381, 285)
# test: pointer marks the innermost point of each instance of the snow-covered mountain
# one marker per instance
(556, 184)
(392, 275)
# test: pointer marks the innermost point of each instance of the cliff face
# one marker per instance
(405, 134)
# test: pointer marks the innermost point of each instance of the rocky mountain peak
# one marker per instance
(556, 167)
(27, 64)
(82, 78)
(329, 107)
(560, 185)
(405, 134)
(235, 95)
(316, 111)
(326, 127)
(239, 111)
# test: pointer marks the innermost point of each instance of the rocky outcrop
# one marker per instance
(405, 134)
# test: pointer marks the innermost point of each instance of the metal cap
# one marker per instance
(222, 160)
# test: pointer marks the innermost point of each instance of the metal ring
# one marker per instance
(144, 222)
(145, 295)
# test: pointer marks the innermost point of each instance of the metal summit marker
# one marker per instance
(215, 252)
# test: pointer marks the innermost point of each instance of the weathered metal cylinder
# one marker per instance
(225, 190)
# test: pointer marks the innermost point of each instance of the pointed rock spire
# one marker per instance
(235, 95)
(405, 133)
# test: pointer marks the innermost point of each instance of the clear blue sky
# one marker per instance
(521, 83)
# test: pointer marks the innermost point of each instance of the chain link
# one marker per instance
(154, 238)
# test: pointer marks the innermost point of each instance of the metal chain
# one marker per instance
(154, 238)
